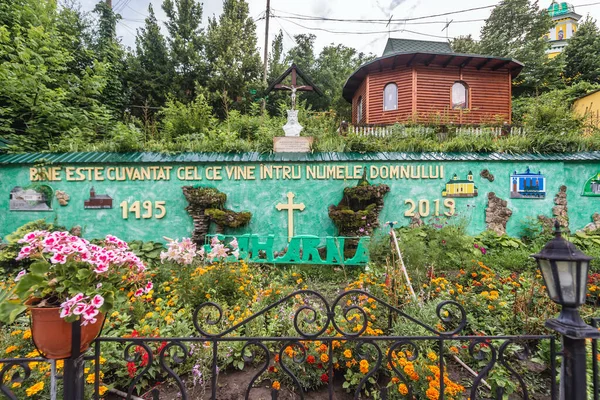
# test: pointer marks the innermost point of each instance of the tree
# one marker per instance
(276, 58)
(150, 70)
(45, 94)
(109, 51)
(233, 59)
(186, 45)
(582, 54)
(333, 67)
(303, 54)
(516, 29)
(464, 44)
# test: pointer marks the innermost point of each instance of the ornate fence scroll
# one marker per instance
(344, 320)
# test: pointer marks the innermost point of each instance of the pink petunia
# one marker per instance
(138, 292)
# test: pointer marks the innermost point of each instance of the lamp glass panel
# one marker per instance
(546, 268)
(567, 277)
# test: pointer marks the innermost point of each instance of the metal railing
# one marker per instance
(345, 320)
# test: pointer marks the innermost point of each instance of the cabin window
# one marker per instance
(460, 95)
(359, 114)
(390, 97)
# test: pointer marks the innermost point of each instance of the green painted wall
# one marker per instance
(260, 196)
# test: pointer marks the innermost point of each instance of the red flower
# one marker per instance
(131, 369)
(310, 359)
(320, 366)
(162, 346)
(324, 378)
(271, 369)
(144, 360)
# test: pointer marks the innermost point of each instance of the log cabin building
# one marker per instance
(425, 82)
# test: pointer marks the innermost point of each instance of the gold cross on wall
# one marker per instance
(290, 207)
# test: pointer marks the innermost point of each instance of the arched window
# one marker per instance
(359, 115)
(390, 97)
(460, 95)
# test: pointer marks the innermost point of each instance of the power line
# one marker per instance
(320, 18)
(383, 22)
(359, 33)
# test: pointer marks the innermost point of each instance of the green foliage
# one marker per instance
(582, 55)
(228, 218)
(465, 45)
(517, 29)
(231, 51)
(148, 252)
(192, 120)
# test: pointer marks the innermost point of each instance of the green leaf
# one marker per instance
(28, 284)
(10, 310)
(39, 268)
(148, 246)
(83, 273)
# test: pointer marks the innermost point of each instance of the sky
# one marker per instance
(133, 13)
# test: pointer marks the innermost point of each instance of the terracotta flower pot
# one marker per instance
(52, 334)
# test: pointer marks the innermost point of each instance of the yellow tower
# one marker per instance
(565, 25)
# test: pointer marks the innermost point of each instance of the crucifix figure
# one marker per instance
(294, 87)
(290, 207)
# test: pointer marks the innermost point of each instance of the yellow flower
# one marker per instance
(114, 314)
(17, 332)
(103, 389)
(432, 394)
(90, 378)
(299, 281)
(276, 385)
(10, 349)
(324, 358)
(364, 366)
(38, 387)
(432, 356)
(402, 389)
(27, 334)
(348, 353)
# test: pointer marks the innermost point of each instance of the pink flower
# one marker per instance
(90, 312)
(148, 287)
(65, 311)
(79, 308)
(138, 292)
(215, 240)
(78, 297)
(20, 275)
(101, 268)
(234, 243)
(58, 258)
(97, 301)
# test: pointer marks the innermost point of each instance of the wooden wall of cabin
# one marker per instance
(361, 92)
(489, 95)
(377, 82)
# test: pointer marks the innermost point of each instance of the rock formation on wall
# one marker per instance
(497, 214)
(206, 205)
(594, 225)
(560, 211)
(62, 197)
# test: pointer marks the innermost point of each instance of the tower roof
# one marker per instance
(559, 9)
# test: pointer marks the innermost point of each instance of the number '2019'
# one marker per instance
(425, 208)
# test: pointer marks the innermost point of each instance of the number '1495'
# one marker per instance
(144, 209)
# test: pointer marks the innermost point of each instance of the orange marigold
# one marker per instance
(402, 389)
(364, 366)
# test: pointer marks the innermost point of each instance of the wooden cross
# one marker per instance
(293, 72)
(290, 207)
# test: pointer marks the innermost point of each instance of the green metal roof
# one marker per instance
(147, 157)
(394, 46)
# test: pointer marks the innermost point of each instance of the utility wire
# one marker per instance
(388, 20)
(360, 33)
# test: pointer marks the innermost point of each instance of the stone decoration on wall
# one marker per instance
(206, 205)
(497, 214)
(559, 211)
(594, 225)
(62, 197)
(485, 174)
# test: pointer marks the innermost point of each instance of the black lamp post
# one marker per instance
(565, 271)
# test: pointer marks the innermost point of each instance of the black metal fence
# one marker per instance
(318, 320)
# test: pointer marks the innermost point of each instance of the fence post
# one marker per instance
(73, 380)
(573, 371)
